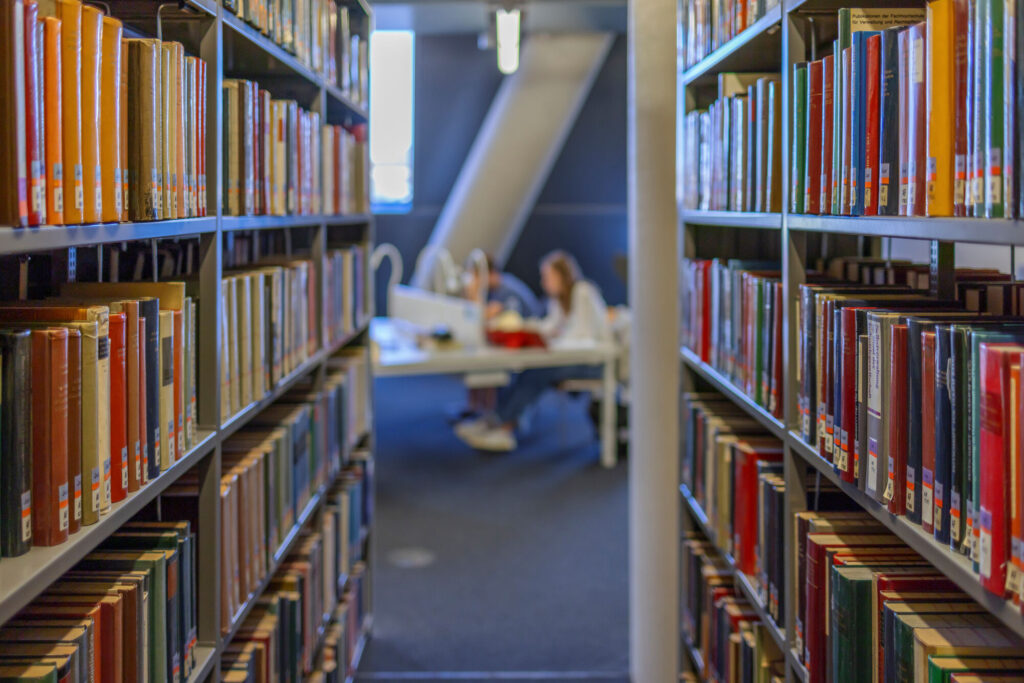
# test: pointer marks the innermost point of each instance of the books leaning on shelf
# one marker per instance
(324, 36)
(916, 402)
(96, 127)
(731, 152)
(98, 399)
(279, 160)
(923, 123)
(719, 625)
(127, 612)
(709, 24)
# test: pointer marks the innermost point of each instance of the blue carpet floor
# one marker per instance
(508, 567)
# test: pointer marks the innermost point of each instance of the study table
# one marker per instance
(395, 353)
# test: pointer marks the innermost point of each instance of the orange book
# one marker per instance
(178, 125)
(50, 520)
(52, 120)
(92, 35)
(111, 121)
(37, 612)
(69, 12)
(75, 429)
(940, 84)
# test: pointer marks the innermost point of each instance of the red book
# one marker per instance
(960, 142)
(917, 120)
(872, 124)
(50, 495)
(920, 582)
(827, 102)
(746, 454)
(143, 457)
(927, 430)
(179, 414)
(34, 134)
(118, 409)
(704, 292)
(994, 459)
(812, 177)
(896, 486)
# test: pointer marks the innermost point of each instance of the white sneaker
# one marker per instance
(496, 439)
(467, 427)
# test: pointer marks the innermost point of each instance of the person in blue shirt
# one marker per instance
(505, 292)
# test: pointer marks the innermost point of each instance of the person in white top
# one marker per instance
(576, 316)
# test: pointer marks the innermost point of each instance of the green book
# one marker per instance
(156, 564)
(851, 624)
(942, 667)
(799, 155)
(995, 200)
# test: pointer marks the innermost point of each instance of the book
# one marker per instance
(13, 168)
(119, 465)
(91, 56)
(143, 122)
(33, 143)
(799, 96)
(165, 369)
(814, 136)
(15, 442)
(889, 124)
(872, 125)
(49, 436)
(859, 117)
(110, 180)
(940, 77)
(917, 118)
(52, 117)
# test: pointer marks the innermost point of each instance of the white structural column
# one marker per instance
(519, 141)
(653, 277)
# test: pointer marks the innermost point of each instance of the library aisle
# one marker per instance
(529, 566)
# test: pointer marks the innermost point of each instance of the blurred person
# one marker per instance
(505, 292)
(576, 315)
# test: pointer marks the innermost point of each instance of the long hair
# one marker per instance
(568, 271)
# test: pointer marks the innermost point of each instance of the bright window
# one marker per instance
(392, 63)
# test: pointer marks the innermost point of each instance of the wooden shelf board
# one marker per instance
(724, 385)
(744, 52)
(953, 565)
(26, 576)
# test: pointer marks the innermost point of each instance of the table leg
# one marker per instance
(609, 446)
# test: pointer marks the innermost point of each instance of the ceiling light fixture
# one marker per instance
(507, 23)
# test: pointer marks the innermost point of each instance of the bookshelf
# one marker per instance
(231, 48)
(793, 31)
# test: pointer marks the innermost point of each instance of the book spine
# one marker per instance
(49, 436)
(799, 138)
(846, 120)
(16, 440)
(928, 431)
(979, 153)
(940, 93)
(827, 103)
(961, 98)
(904, 119)
(35, 157)
(889, 125)
(894, 495)
(813, 134)
(118, 408)
(52, 120)
(943, 436)
(917, 118)
(150, 312)
(1010, 160)
(915, 411)
(872, 122)
(958, 532)
(92, 174)
(993, 549)
(74, 427)
(874, 402)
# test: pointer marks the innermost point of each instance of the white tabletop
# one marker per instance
(395, 354)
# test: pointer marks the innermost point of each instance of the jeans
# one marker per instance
(530, 384)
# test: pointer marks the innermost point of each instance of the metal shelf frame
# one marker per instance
(787, 31)
(230, 47)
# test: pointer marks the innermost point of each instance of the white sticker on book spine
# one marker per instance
(26, 516)
(63, 507)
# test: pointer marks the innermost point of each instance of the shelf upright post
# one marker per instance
(794, 273)
(654, 413)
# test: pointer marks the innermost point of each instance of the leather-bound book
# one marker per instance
(144, 195)
(13, 167)
(111, 122)
(52, 118)
(92, 39)
(118, 409)
(50, 495)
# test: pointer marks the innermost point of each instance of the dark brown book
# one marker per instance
(13, 170)
(15, 443)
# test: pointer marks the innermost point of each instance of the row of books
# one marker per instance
(912, 114)
(322, 34)
(346, 305)
(96, 127)
(98, 399)
(279, 160)
(126, 613)
(932, 435)
(873, 609)
(709, 24)
(732, 320)
(336, 663)
(722, 627)
(733, 470)
(732, 151)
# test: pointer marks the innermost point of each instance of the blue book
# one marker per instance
(859, 120)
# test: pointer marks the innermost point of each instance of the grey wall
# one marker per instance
(582, 207)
